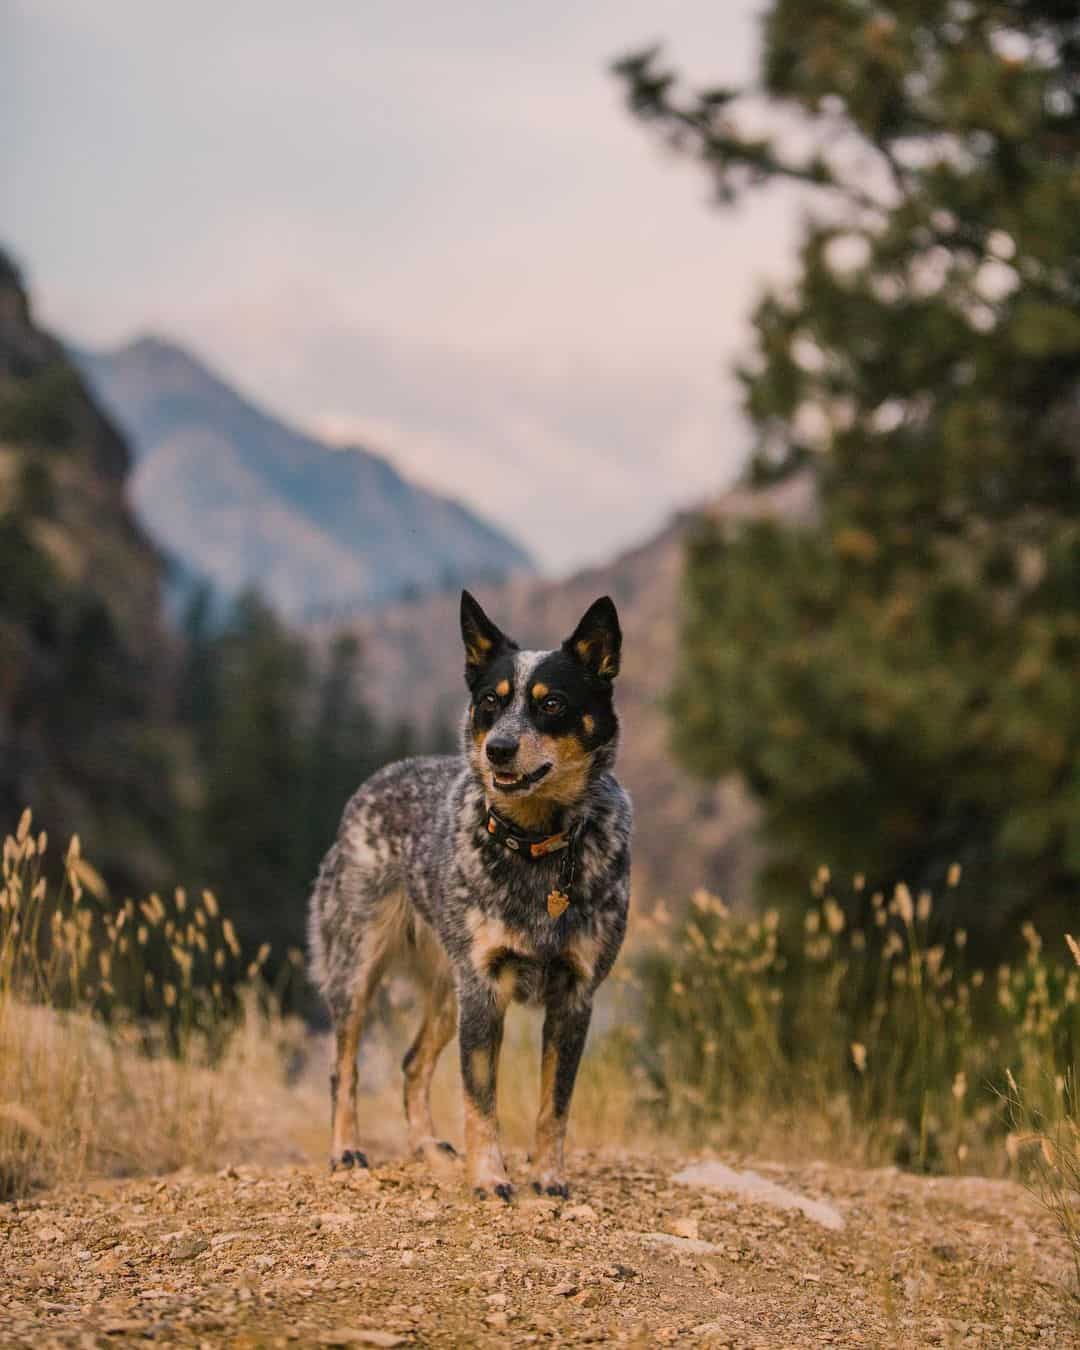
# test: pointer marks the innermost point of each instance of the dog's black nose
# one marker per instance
(501, 749)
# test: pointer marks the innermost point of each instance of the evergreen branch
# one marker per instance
(718, 144)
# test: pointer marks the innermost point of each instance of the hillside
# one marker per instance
(236, 496)
(687, 834)
(83, 661)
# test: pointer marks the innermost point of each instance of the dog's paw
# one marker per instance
(556, 1188)
(349, 1158)
(502, 1189)
(548, 1178)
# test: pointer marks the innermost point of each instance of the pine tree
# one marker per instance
(898, 680)
(345, 747)
(254, 777)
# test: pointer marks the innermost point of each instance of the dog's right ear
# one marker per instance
(483, 640)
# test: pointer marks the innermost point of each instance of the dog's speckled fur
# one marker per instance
(415, 876)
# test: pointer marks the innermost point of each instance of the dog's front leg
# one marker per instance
(566, 1024)
(480, 1029)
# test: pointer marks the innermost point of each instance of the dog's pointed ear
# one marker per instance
(596, 642)
(483, 640)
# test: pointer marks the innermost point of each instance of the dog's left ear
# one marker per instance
(483, 639)
(597, 640)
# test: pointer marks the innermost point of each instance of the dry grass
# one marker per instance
(877, 1043)
(78, 1100)
(135, 1039)
(1045, 1148)
(127, 1044)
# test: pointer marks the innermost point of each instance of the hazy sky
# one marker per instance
(431, 227)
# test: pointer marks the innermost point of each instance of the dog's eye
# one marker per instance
(553, 705)
(489, 701)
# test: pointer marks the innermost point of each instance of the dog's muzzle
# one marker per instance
(519, 782)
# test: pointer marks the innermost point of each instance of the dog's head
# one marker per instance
(540, 725)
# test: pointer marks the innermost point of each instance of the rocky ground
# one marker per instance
(394, 1257)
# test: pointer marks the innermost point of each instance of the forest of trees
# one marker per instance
(281, 739)
(218, 756)
(898, 680)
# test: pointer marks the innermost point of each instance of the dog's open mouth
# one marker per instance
(520, 782)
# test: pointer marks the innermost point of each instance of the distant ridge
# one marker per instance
(239, 498)
(85, 661)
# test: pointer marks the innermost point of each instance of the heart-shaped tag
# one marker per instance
(557, 902)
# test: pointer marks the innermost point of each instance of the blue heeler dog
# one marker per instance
(499, 874)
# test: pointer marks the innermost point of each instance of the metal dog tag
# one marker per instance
(557, 902)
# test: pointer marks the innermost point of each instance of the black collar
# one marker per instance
(525, 843)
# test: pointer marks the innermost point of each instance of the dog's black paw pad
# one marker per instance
(352, 1157)
(444, 1146)
(504, 1191)
(562, 1190)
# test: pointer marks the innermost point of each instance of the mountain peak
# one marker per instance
(241, 498)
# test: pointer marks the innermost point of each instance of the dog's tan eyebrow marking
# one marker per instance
(502, 688)
(539, 689)
(589, 724)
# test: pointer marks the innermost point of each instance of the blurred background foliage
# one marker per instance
(897, 679)
(221, 751)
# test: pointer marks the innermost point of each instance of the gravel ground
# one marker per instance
(293, 1256)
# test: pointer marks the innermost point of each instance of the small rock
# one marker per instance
(185, 1248)
(498, 1321)
(223, 1239)
(576, 1213)
(681, 1244)
(684, 1228)
(715, 1175)
(620, 1272)
(565, 1290)
(497, 1300)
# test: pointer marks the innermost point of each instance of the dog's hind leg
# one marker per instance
(378, 942)
(344, 1150)
(438, 1026)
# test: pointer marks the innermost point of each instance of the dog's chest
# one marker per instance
(521, 960)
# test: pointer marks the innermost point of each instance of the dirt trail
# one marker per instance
(292, 1256)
